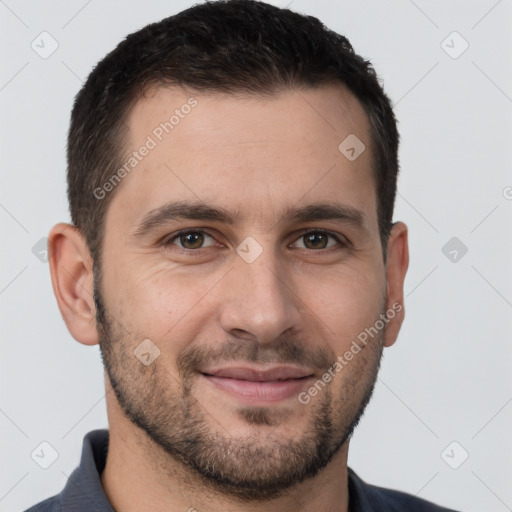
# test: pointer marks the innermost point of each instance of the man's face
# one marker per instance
(255, 293)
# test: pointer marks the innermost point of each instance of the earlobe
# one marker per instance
(72, 281)
(396, 269)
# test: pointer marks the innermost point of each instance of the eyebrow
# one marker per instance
(184, 210)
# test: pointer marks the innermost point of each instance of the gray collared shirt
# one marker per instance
(83, 491)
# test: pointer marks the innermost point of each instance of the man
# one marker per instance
(231, 179)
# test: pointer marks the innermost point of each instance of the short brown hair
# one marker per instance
(229, 46)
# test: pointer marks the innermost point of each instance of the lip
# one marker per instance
(255, 374)
(252, 385)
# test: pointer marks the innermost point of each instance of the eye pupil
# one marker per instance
(316, 239)
(192, 240)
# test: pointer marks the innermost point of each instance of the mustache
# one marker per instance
(283, 350)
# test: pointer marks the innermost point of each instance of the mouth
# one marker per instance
(253, 385)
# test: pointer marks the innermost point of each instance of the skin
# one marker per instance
(296, 302)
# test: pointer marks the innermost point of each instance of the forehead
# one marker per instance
(257, 155)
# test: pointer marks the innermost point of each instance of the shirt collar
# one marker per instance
(83, 490)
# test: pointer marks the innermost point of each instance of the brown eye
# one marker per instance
(318, 240)
(315, 240)
(189, 240)
(192, 240)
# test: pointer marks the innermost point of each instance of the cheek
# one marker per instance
(346, 302)
(161, 304)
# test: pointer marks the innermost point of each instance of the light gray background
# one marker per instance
(447, 378)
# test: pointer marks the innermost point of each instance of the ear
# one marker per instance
(72, 281)
(396, 268)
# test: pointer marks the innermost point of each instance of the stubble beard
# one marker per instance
(259, 467)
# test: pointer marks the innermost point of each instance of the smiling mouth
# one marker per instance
(257, 380)
(252, 386)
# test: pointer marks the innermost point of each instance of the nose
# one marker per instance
(258, 300)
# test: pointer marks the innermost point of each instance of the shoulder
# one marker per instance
(367, 497)
(83, 489)
(397, 500)
(48, 505)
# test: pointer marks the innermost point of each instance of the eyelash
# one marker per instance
(341, 244)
